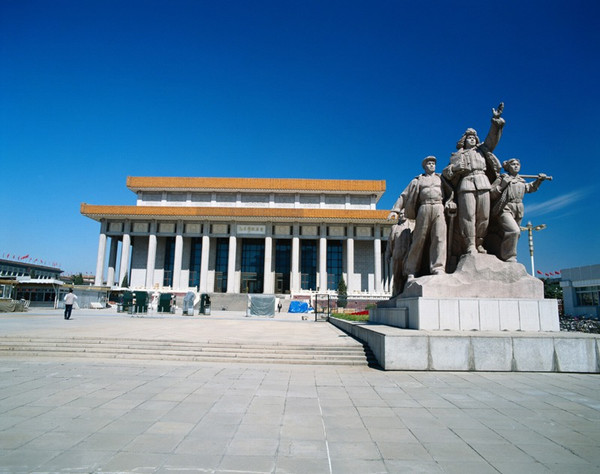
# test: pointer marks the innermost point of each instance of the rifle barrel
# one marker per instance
(534, 176)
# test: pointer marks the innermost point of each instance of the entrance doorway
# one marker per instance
(283, 265)
(253, 266)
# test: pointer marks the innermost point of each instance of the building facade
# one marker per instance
(19, 269)
(38, 284)
(243, 235)
(581, 291)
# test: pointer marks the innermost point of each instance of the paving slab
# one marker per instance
(99, 415)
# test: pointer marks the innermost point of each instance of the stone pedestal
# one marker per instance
(403, 349)
(483, 294)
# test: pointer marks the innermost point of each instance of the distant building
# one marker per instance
(581, 290)
(38, 284)
(239, 235)
(15, 268)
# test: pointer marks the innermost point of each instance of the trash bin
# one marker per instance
(188, 303)
(141, 301)
(204, 304)
(127, 300)
(164, 303)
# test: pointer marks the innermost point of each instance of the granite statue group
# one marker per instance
(470, 208)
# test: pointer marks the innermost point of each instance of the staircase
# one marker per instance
(140, 349)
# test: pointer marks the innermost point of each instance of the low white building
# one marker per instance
(245, 235)
(581, 291)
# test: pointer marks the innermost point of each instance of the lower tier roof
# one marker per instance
(99, 212)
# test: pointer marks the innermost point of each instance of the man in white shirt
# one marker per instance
(69, 300)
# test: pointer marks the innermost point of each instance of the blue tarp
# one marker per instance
(298, 307)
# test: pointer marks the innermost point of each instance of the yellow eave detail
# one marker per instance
(135, 183)
(98, 212)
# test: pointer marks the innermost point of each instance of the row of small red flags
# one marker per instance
(29, 259)
(549, 274)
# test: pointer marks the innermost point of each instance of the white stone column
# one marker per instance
(269, 280)
(125, 249)
(231, 286)
(377, 257)
(101, 255)
(112, 261)
(350, 260)
(295, 277)
(151, 258)
(204, 264)
(177, 260)
(323, 260)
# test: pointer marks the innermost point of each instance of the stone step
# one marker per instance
(204, 357)
(183, 350)
(206, 351)
(153, 345)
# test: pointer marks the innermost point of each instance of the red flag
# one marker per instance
(546, 274)
(558, 272)
(24, 257)
(540, 272)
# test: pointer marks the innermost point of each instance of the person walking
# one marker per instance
(70, 298)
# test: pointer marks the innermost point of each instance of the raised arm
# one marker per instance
(495, 132)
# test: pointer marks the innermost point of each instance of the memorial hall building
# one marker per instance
(245, 235)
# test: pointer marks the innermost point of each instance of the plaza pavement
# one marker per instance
(97, 416)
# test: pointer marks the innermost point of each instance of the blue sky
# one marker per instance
(94, 91)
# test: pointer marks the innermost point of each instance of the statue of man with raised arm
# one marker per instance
(471, 170)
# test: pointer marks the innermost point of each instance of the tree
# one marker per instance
(342, 290)
(78, 279)
(552, 288)
(124, 283)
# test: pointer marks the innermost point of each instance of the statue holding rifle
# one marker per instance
(507, 208)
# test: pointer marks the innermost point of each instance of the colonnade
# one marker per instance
(378, 277)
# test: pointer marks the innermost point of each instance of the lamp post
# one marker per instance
(530, 228)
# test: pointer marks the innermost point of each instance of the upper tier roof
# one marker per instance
(336, 186)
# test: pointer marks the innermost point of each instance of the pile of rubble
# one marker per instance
(570, 323)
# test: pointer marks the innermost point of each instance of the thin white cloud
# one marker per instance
(556, 204)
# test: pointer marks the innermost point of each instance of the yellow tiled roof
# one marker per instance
(136, 183)
(98, 212)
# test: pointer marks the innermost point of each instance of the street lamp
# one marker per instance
(530, 228)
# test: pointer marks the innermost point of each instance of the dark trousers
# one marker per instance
(68, 309)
